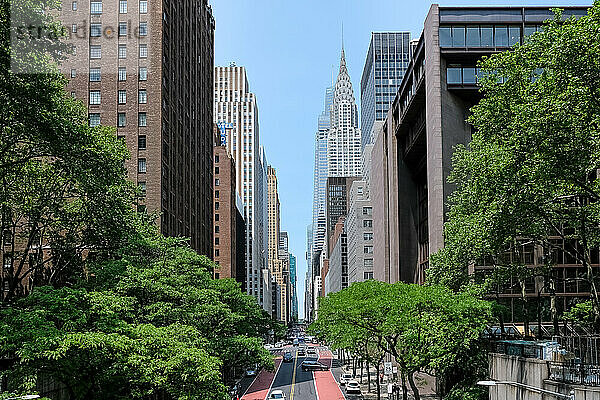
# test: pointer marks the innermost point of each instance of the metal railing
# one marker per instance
(572, 373)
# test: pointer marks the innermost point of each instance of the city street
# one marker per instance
(297, 384)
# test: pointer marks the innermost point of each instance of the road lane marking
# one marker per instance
(294, 376)
(273, 381)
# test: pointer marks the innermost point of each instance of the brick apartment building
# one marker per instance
(146, 67)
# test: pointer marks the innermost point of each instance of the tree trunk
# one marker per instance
(413, 386)
(378, 383)
(404, 388)
(369, 376)
(361, 371)
(524, 309)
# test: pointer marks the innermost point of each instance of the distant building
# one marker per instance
(294, 287)
(359, 229)
(336, 276)
(387, 59)
(337, 200)
(236, 110)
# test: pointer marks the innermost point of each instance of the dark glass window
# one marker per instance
(445, 37)
(514, 35)
(529, 30)
(473, 37)
(469, 75)
(454, 76)
(458, 36)
(142, 142)
(487, 36)
(501, 36)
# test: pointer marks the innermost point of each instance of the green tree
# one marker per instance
(529, 176)
(425, 328)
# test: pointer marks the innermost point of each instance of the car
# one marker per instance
(311, 350)
(345, 378)
(287, 357)
(277, 394)
(301, 352)
(352, 387)
(311, 365)
(295, 342)
(251, 372)
(268, 346)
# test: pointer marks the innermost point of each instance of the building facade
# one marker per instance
(359, 231)
(387, 59)
(412, 156)
(225, 215)
(138, 68)
(294, 288)
(236, 109)
(337, 201)
(335, 276)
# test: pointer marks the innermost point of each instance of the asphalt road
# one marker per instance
(297, 384)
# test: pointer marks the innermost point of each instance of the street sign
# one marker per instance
(387, 368)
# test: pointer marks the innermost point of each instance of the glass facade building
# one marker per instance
(386, 63)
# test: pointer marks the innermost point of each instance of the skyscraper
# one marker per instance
(386, 63)
(140, 78)
(235, 107)
(343, 137)
(277, 249)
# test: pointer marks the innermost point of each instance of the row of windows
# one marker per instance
(96, 97)
(479, 36)
(96, 51)
(94, 119)
(96, 76)
(96, 7)
(96, 29)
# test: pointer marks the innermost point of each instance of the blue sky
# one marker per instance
(290, 49)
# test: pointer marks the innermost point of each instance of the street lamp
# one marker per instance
(29, 396)
(570, 396)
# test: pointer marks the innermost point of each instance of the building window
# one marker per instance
(143, 29)
(142, 187)
(216, 170)
(368, 223)
(95, 51)
(368, 275)
(94, 74)
(74, 6)
(142, 165)
(121, 120)
(217, 182)
(95, 30)
(143, 6)
(142, 142)
(368, 262)
(95, 97)
(143, 74)
(217, 254)
(96, 7)
(368, 236)
(368, 249)
(143, 51)
(94, 119)
(367, 210)
(216, 158)
(74, 28)
(216, 217)
(73, 95)
(73, 73)
(475, 36)
(142, 119)
(217, 205)
(217, 241)
(216, 228)
(122, 28)
(122, 96)
(142, 96)
(122, 51)
(123, 7)
(216, 194)
(122, 74)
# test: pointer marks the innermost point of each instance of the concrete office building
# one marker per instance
(359, 230)
(139, 68)
(235, 108)
(412, 154)
(308, 279)
(387, 59)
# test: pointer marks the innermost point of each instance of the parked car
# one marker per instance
(301, 352)
(287, 357)
(352, 387)
(311, 351)
(277, 394)
(310, 365)
(345, 378)
(251, 372)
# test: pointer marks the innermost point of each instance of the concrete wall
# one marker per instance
(532, 372)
